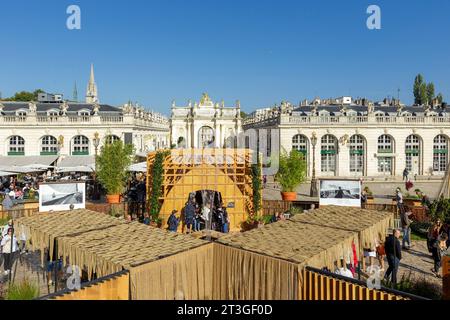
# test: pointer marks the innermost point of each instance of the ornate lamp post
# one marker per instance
(313, 192)
(96, 142)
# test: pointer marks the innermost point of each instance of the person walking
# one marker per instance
(399, 200)
(394, 255)
(173, 222)
(438, 250)
(405, 174)
(9, 248)
(406, 222)
(7, 203)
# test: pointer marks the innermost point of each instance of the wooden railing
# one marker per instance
(269, 207)
(112, 287)
(319, 285)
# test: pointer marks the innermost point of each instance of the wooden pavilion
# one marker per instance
(227, 172)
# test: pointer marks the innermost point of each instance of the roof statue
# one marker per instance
(32, 106)
(96, 108)
(205, 99)
(64, 107)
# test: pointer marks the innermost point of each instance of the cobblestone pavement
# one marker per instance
(27, 266)
(419, 262)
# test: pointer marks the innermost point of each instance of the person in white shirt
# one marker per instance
(343, 270)
(206, 212)
(8, 250)
(5, 228)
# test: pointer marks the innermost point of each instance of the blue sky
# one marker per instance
(258, 51)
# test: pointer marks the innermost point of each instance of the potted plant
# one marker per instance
(112, 165)
(291, 173)
(412, 200)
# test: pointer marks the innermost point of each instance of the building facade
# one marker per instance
(34, 129)
(361, 140)
(205, 124)
(58, 128)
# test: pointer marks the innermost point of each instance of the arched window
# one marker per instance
(80, 145)
(385, 154)
(111, 139)
(356, 147)
(16, 146)
(328, 154)
(440, 153)
(206, 137)
(49, 146)
(412, 150)
(300, 143)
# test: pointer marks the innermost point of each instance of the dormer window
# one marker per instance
(21, 114)
(406, 114)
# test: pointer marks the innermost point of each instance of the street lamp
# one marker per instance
(96, 142)
(313, 192)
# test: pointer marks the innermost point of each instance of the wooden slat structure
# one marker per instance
(113, 287)
(371, 226)
(227, 171)
(318, 286)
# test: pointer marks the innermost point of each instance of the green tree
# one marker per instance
(36, 93)
(26, 96)
(430, 93)
(244, 115)
(22, 96)
(423, 93)
(112, 164)
(418, 81)
(291, 171)
(440, 98)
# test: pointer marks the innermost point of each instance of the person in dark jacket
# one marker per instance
(189, 215)
(173, 221)
(393, 251)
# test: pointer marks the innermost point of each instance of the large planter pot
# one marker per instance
(412, 202)
(289, 196)
(370, 200)
(113, 198)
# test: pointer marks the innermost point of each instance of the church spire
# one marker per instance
(91, 93)
(75, 92)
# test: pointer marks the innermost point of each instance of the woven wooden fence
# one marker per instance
(113, 287)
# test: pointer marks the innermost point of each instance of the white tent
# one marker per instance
(6, 174)
(75, 169)
(138, 167)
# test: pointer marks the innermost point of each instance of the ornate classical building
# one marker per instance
(67, 130)
(355, 140)
(205, 124)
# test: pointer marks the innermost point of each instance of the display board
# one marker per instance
(340, 193)
(62, 196)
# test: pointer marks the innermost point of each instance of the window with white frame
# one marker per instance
(300, 143)
(356, 146)
(80, 145)
(385, 146)
(440, 153)
(16, 145)
(328, 153)
(412, 150)
(49, 145)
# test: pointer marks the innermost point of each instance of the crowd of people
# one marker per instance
(13, 189)
(196, 216)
